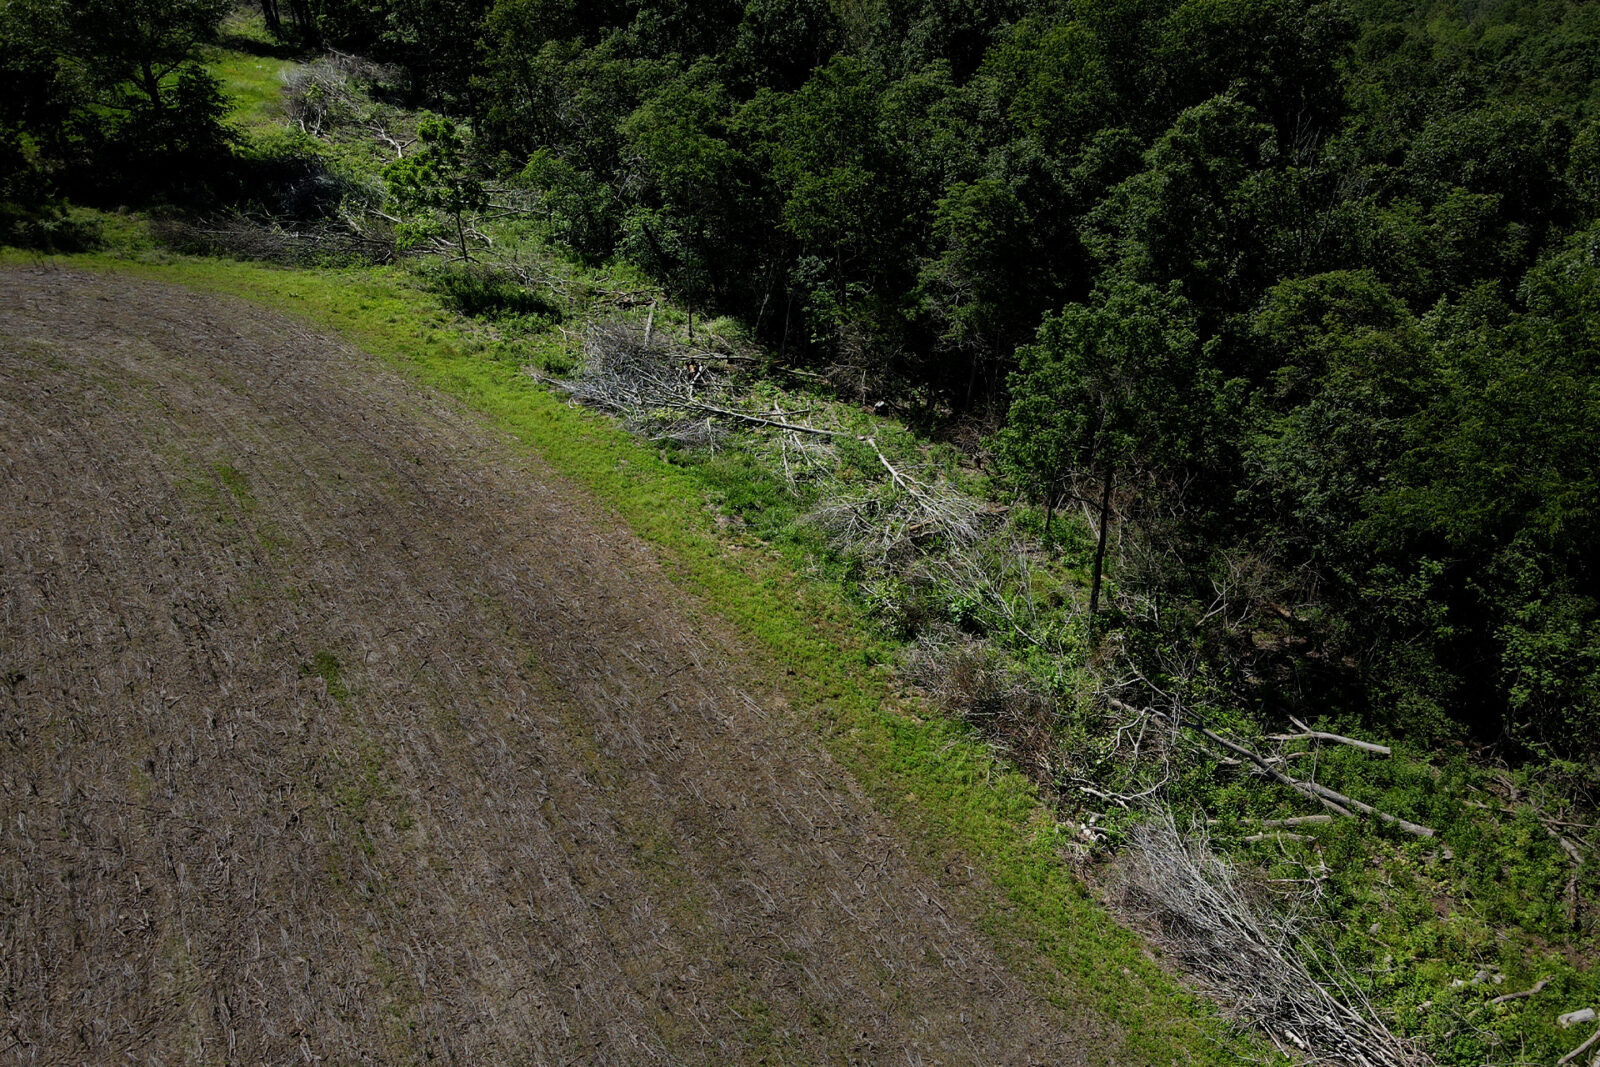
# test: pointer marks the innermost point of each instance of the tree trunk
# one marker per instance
(788, 310)
(151, 85)
(305, 22)
(1100, 542)
(765, 297)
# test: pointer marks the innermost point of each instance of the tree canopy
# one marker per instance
(1311, 284)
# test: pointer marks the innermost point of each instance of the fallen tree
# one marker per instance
(668, 391)
(1334, 801)
(1256, 961)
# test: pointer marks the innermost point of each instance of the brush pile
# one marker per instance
(1255, 961)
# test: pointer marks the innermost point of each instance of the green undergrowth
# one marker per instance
(252, 68)
(931, 773)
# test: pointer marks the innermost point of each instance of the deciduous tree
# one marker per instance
(436, 177)
(1109, 388)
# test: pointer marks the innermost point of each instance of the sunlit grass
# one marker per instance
(252, 67)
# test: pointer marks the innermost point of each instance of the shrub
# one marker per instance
(489, 293)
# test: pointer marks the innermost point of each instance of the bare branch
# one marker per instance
(906, 484)
(1325, 793)
(1318, 735)
(757, 420)
(1253, 838)
(1580, 1050)
(1537, 987)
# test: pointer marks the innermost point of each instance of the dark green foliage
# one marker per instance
(435, 178)
(30, 216)
(486, 293)
(1499, 479)
(1583, 171)
(979, 280)
(1340, 362)
(435, 42)
(912, 34)
(178, 149)
(37, 92)
(112, 101)
(1110, 385)
(696, 193)
(1280, 57)
(1354, 356)
(127, 50)
(580, 210)
(1195, 214)
(779, 43)
(1111, 391)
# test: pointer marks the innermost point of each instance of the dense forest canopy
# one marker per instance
(1305, 293)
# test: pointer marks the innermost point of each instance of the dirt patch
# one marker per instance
(336, 728)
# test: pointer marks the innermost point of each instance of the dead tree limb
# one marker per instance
(1308, 734)
(906, 484)
(1335, 802)
(794, 427)
(1253, 838)
(1537, 987)
(1580, 1050)
(1367, 809)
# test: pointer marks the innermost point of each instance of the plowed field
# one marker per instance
(334, 728)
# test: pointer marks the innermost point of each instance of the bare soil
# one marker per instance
(334, 728)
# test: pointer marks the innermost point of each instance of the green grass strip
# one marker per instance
(930, 774)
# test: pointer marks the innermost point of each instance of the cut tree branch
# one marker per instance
(711, 409)
(1580, 1050)
(1537, 987)
(903, 481)
(1367, 809)
(1253, 838)
(1318, 735)
(1335, 802)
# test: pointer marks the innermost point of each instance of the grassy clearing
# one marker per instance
(252, 67)
(931, 774)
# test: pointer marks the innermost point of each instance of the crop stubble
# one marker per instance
(333, 726)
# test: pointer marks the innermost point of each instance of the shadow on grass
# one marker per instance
(255, 46)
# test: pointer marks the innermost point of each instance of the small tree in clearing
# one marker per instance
(435, 178)
(1110, 385)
